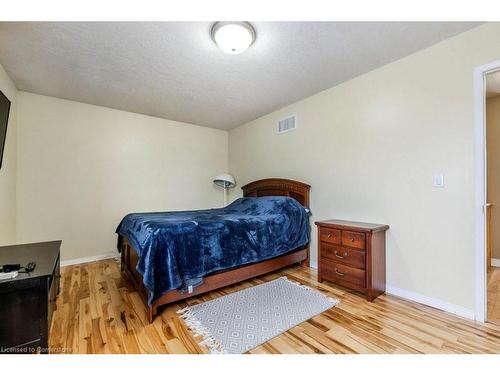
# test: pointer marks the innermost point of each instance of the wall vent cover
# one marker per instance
(287, 124)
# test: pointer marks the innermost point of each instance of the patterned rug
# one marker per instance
(243, 320)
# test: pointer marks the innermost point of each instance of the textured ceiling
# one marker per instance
(173, 70)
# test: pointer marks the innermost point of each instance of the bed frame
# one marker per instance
(216, 280)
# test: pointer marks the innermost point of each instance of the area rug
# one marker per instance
(243, 320)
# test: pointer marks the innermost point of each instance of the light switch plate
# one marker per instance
(438, 180)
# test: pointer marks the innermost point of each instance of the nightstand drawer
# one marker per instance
(330, 235)
(343, 275)
(350, 257)
(353, 239)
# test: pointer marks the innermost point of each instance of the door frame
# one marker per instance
(480, 187)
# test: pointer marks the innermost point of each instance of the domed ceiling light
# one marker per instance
(233, 37)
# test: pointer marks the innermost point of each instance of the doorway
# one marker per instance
(492, 209)
(480, 194)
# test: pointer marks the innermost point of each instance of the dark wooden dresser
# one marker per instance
(28, 301)
(352, 255)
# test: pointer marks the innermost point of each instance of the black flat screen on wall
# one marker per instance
(4, 119)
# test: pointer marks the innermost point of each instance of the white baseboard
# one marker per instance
(429, 301)
(495, 262)
(93, 258)
(425, 300)
(398, 292)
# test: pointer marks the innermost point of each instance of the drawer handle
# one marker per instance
(329, 235)
(352, 239)
(340, 256)
(339, 273)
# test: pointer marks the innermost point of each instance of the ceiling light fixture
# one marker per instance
(233, 37)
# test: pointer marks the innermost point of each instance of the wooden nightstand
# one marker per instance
(352, 254)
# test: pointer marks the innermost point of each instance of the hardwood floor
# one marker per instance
(494, 295)
(99, 312)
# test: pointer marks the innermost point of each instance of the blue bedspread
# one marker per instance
(176, 249)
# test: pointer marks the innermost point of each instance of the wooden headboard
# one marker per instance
(278, 186)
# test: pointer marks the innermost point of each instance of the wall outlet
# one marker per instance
(438, 180)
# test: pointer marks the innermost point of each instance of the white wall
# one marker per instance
(8, 169)
(370, 146)
(81, 168)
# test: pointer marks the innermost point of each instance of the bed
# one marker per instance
(162, 276)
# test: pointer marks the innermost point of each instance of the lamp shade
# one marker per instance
(233, 37)
(224, 180)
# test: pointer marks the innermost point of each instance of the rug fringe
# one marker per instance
(336, 301)
(199, 329)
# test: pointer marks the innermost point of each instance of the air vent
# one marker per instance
(287, 124)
